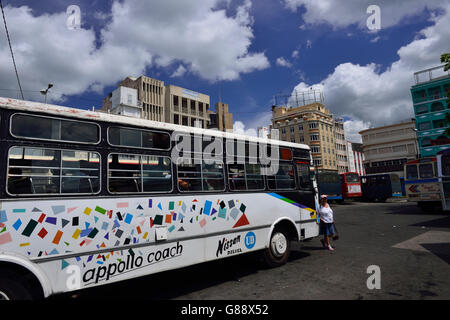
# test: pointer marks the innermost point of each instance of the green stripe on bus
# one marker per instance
(288, 200)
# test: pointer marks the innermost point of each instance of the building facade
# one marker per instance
(151, 93)
(311, 124)
(186, 107)
(355, 157)
(387, 148)
(221, 118)
(430, 106)
(341, 146)
(173, 104)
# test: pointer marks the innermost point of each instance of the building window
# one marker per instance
(440, 123)
(314, 137)
(300, 127)
(434, 93)
(424, 126)
(292, 129)
(426, 142)
(302, 139)
(437, 106)
(313, 125)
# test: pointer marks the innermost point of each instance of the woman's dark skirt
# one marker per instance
(326, 229)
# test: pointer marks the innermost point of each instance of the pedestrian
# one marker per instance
(326, 222)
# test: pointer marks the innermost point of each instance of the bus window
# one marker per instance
(36, 171)
(284, 179)
(446, 165)
(136, 174)
(426, 170)
(135, 138)
(304, 179)
(245, 177)
(236, 177)
(255, 180)
(352, 177)
(411, 171)
(37, 127)
(124, 173)
(199, 175)
(80, 172)
(157, 175)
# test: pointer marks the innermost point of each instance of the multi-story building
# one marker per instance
(387, 148)
(355, 158)
(341, 146)
(310, 124)
(430, 106)
(151, 93)
(186, 107)
(221, 118)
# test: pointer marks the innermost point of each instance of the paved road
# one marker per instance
(411, 248)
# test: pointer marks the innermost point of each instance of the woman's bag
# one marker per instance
(336, 234)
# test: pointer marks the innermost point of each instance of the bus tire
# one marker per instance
(279, 248)
(13, 289)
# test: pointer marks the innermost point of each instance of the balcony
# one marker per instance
(430, 74)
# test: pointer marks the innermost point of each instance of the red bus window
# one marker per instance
(285, 154)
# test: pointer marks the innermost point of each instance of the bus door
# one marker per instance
(444, 179)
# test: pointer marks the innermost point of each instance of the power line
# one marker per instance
(10, 48)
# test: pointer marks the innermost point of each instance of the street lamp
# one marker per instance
(44, 92)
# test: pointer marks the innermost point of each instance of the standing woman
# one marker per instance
(326, 222)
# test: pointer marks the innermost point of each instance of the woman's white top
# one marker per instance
(326, 214)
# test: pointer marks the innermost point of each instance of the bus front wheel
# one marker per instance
(279, 248)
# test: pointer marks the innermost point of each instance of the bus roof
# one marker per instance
(423, 160)
(445, 151)
(55, 110)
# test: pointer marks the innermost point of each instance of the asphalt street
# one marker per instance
(410, 247)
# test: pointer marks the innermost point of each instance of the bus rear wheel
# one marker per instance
(279, 248)
(13, 289)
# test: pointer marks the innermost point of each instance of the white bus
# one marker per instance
(89, 198)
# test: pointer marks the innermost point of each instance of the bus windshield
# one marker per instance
(446, 165)
(426, 170)
(352, 177)
(326, 177)
(411, 171)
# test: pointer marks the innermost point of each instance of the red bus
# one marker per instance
(351, 185)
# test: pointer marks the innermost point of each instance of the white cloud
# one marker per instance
(374, 40)
(239, 128)
(181, 70)
(295, 54)
(308, 44)
(364, 93)
(341, 13)
(212, 44)
(352, 129)
(282, 62)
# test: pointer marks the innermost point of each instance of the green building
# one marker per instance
(429, 95)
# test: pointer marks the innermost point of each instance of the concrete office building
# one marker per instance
(341, 146)
(221, 118)
(169, 103)
(151, 93)
(387, 148)
(186, 107)
(429, 95)
(310, 124)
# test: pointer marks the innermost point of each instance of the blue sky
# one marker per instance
(333, 47)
